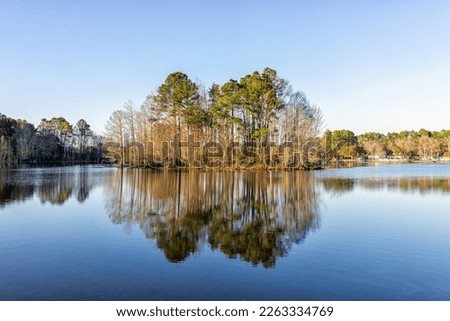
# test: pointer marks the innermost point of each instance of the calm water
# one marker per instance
(368, 233)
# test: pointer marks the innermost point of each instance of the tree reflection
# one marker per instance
(423, 185)
(54, 185)
(338, 186)
(178, 241)
(55, 188)
(255, 216)
(13, 191)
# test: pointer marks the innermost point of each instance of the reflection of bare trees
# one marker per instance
(339, 186)
(58, 187)
(53, 185)
(252, 215)
(13, 191)
(55, 188)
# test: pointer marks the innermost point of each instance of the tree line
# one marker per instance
(423, 144)
(53, 142)
(256, 121)
(239, 123)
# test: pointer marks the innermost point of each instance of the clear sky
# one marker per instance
(376, 65)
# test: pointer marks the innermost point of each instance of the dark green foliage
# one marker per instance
(177, 95)
(7, 126)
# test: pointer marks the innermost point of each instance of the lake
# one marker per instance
(92, 233)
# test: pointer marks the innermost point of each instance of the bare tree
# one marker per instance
(427, 147)
(130, 117)
(115, 133)
(374, 148)
(446, 141)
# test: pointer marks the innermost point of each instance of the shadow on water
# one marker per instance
(254, 216)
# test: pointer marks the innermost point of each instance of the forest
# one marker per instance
(422, 145)
(258, 121)
(53, 142)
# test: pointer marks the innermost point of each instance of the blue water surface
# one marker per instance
(90, 233)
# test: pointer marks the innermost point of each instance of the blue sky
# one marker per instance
(370, 65)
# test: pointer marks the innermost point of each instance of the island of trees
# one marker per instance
(258, 121)
(240, 123)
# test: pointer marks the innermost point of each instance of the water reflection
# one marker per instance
(11, 192)
(54, 185)
(423, 185)
(255, 216)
